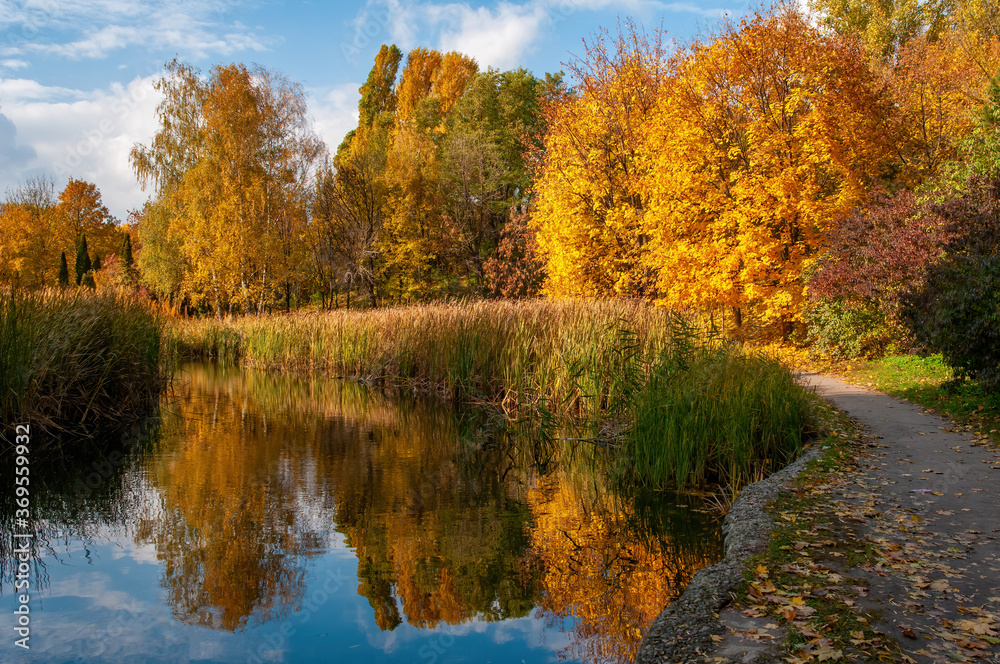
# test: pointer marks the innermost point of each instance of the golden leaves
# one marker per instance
(721, 191)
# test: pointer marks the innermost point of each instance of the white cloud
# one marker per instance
(14, 155)
(13, 64)
(83, 134)
(95, 28)
(88, 134)
(334, 112)
(497, 36)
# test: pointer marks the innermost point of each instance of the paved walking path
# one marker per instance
(932, 495)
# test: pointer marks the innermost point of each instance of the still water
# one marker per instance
(261, 518)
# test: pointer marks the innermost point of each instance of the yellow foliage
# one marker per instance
(711, 177)
(589, 208)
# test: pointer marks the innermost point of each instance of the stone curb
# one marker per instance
(683, 630)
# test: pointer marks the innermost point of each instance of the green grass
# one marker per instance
(716, 415)
(927, 381)
(683, 411)
(76, 362)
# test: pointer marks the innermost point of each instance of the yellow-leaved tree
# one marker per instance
(590, 203)
(233, 164)
(770, 133)
(420, 242)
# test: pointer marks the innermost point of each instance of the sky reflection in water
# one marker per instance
(271, 519)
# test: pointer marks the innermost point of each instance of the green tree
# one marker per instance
(378, 94)
(63, 270)
(81, 211)
(884, 26)
(97, 263)
(982, 149)
(83, 265)
(127, 260)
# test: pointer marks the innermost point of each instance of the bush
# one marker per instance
(957, 310)
(847, 329)
(958, 315)
(875, 255)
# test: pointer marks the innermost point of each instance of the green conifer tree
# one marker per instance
(83, 265)
(63, 271)
(127, 251)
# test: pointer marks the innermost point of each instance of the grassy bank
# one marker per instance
(76, 362)
(682, 410)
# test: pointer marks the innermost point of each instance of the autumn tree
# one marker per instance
(348, 216)
(590, 204)
(232, 165)
(884, 26)
(485, 175)
(28, 234)
(516, 270)
(378, 94)
(769, 134)
(80, 211)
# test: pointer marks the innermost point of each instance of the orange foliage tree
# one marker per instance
(590, 203)
(770, 133)
(36, 227)
(710, 178)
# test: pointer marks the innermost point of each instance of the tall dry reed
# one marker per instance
(77, 361)
(691, 411)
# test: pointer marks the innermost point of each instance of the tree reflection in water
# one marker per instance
(255, 472)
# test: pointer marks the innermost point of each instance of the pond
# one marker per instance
(263, 518)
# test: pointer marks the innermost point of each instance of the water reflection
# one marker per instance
(256, 479)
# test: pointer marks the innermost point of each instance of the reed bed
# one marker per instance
(503, 352)
(76, 362)
(718, 415)
(684, 410)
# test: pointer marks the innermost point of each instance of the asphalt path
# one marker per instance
(930, 492)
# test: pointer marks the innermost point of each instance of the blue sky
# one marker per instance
(76, 76)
